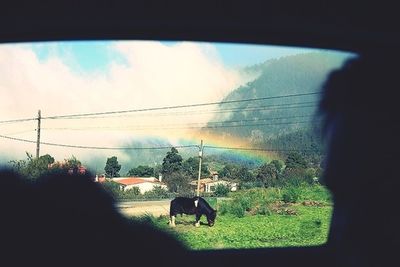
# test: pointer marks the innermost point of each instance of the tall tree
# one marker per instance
(191, 168)
(268, 174)
(172, 172)
(172, 162)
(112, 167)
(142, 171)
(295, 161)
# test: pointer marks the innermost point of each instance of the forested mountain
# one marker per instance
(278, 120)
(285, 100)
(266, 118)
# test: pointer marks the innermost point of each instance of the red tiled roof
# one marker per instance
(134, 180)
(131, 181)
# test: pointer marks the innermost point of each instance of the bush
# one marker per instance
(237, 209)
(315, 193)
(156, 193)
(253, 201)
(224, 207)
(112, 188)
(290, 194)
(249, 185)
(263, 210)
(130, 193)
(297, 177)
(221, 190)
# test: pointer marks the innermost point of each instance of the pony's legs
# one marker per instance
(197, 224)
(172, 221)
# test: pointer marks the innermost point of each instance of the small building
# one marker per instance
(203, 184)
(208, 185)
(144, 184)
(214, 175)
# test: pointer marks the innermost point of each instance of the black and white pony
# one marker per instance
(195, 205)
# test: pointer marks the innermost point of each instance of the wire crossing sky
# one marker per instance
(107, 95)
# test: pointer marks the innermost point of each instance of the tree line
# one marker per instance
(177, 173)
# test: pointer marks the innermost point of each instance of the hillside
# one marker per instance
(257, 120)
(276, 123)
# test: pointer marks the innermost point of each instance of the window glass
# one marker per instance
(140, 116)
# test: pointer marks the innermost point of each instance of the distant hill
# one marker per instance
(272, 123)
(264, 119)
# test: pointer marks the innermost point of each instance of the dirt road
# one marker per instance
(135, 208)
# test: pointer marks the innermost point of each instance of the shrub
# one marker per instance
(297, 177)
(249, 185)
(263, 210)
(112, 188)
(186, 192)
(253, 201)
(290, 194)
(221, 190)
(316, 193)
(224, 207)
(146, 218)
(156, 193)
(130, 193)
(237, 209)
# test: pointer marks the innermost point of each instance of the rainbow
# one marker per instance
(224, 142)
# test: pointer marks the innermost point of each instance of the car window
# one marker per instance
(154, 120)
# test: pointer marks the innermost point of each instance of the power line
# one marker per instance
(262, 119)
(256, 149)
(98, 114)
(179, 126)
(186, 113)
(153, 148)
(97, 147)
(185, 127)
(18, 120)
(176, 107)
(257, 124)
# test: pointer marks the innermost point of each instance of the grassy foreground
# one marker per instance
(309, 227)
(305, 225)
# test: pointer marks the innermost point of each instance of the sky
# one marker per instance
(62, 78)
(98, 55)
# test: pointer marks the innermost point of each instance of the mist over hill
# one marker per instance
(273, 111)
(272, 115)
(283, 117)
(280, 106)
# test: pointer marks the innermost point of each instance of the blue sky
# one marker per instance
(80, 55)
(88, 56)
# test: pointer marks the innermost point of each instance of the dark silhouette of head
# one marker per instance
(66, 219)
(360, 112)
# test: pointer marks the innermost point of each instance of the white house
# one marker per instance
(143, 183)
(208, 185)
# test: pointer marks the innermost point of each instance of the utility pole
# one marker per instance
(38, 135)
(200, 158)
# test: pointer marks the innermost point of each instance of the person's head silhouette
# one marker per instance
(361, 125)
(65, 219)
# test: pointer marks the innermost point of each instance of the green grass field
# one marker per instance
(306, 224)
(309, 227)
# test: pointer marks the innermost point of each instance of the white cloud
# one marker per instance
(155, 75)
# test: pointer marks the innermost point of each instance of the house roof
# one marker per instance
(134, 180)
